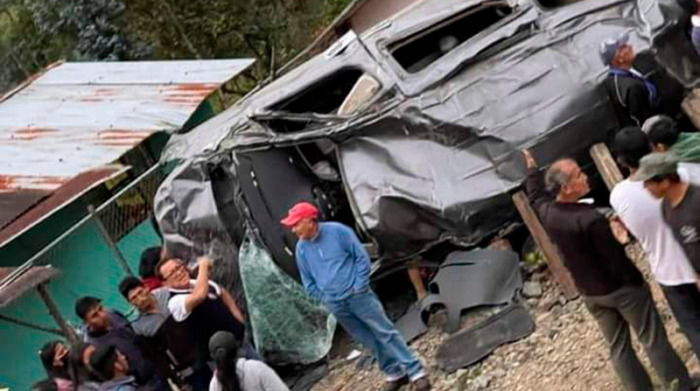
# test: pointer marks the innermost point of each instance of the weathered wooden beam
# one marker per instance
(68, 331)
(691, 107)
(606, 165)
(554, 260)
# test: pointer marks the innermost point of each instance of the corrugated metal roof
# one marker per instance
(77, 116)
(12, 204)
(16, 220)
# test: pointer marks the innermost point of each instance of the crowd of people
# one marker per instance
(191, 333)
(658, 205)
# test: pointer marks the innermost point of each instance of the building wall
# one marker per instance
(375, 11)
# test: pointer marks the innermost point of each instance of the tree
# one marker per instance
(271, 31)
(35, 33)
(94, 26)
(24, 50)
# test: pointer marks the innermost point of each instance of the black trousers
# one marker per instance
(633, 307)
(684, 301)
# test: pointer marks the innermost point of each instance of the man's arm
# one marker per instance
(359, 257)
(231, 304)
(605, 244)
(534, 183)
(201, 286)
(307, 278)
(617, 220)
(619, 230)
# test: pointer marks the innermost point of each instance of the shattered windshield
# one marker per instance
(288, 326)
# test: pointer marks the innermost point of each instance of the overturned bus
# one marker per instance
(411, 132)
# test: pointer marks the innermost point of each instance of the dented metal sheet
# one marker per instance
(469, 346)
(77, 116)
(433, 155)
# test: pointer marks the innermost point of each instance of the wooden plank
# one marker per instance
(691, 106)
(606, 165)
(556, 265)
(68, 331)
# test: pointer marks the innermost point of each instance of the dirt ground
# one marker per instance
(566, 352)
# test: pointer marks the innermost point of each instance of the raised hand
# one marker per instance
(529, 160)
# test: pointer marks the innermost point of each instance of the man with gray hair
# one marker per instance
(612, 288)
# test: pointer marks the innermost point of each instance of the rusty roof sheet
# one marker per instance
(19, 220)
(64, 127)
(14, 203)
(78, 116)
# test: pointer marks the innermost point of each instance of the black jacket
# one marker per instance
(630, 98)
(596, 260)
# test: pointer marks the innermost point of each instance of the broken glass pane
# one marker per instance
(288, 326)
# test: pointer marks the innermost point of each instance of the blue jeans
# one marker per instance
(363, 317)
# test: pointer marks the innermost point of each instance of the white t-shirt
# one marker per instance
(641, 213)
(689, 172)
(176, 304)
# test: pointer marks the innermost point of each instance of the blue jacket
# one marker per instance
(333, 265)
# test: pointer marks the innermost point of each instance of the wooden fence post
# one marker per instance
(691, 107)
(556, 265)
(606, 165)
(67, 330)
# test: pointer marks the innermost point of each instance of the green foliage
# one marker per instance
(95, 27)
(534, 258)
(35, 33)
(23, 49)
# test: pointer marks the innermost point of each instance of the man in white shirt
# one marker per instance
(205, 305)
(641, 214)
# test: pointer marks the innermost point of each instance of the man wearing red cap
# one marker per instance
(335, 269)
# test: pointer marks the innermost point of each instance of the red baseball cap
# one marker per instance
(299, 211)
